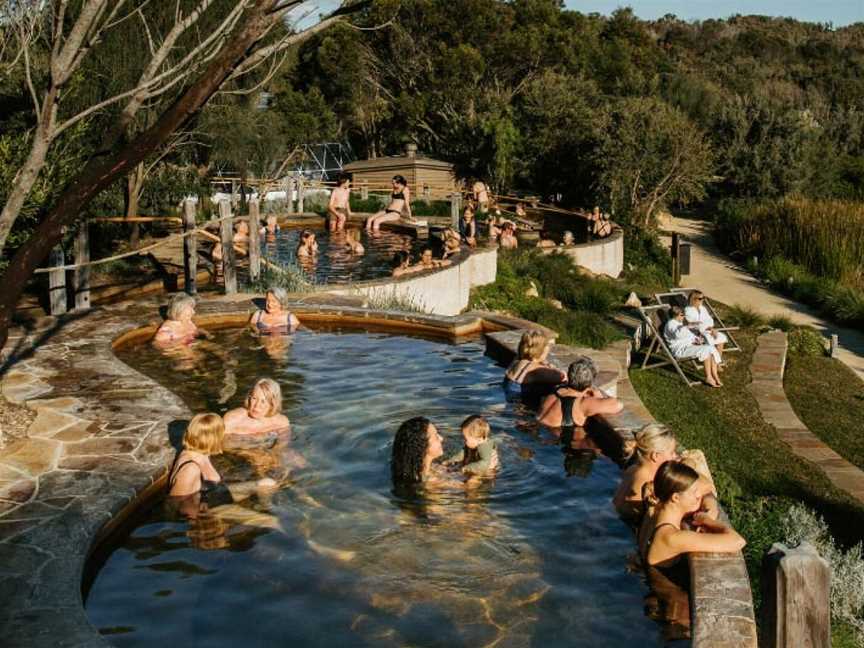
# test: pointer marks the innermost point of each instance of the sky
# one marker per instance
(837, 12)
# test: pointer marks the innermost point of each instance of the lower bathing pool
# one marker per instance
(536, 556)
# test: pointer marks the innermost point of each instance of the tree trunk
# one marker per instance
(134, 187)
(102, 171)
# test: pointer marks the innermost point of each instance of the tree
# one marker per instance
(216, 57)
(652, 156)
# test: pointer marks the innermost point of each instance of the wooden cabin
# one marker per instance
(427, 178)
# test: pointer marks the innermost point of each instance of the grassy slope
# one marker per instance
(839, 423)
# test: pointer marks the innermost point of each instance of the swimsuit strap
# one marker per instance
(567, 403)
(176, 471)
(522, 372)
(654, 532)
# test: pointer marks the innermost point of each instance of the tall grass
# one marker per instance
(826, 237)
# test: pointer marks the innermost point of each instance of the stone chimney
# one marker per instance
(411, 151)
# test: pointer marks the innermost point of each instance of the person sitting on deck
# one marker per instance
(308, 246)
(507, 240)
(179, 328)
(400, 202)
(479, 455)
(468, 228)
(678, 494)
(697, 315)
(685, 344)
(275, 315)
(652, 446)
(600, 225)
(339, 207)
(480, 194)
(261, 413)
(572, 404)
(531, 371)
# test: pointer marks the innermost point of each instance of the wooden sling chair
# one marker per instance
(653, 319)
(681, 297)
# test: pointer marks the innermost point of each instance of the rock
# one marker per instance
(585, 272)
(633, 301)
(554, 303)
(532, 291)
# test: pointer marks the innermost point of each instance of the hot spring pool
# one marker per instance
(334, 264)
(535, 557)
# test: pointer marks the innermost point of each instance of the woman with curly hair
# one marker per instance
(416, 446)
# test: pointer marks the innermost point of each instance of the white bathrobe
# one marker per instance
(684, 344)
(701, 318)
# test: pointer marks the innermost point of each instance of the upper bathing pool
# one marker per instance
(335, 264)
(534, 557)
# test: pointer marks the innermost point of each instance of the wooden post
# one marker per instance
(289, 195)
(676, 266)
(254, 240)
(301, 186)
(835, 343)
(229, 266)
(455, 200)
(796, 598)
(82, 275)
(190, 248)
(57, 282)
(364, 191)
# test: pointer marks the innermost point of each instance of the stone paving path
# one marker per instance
(766, 370)
(713, 272)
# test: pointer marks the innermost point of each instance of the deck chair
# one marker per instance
(653, 318)
(681, 297)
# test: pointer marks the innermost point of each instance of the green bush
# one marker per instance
(804, 340)
(744, 316)
(780, 322)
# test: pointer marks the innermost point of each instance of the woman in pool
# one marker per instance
(192, 471)
(568, 239)
(468, 228)
(400, 202)
(179, 327)
(428, 262)
(578, 400)
(400, 264)
(308, 246)
(600, 225)
(679, 493)
(530, 370)
(275, 315)
(241, 233)
(416, 446)
(260, 414)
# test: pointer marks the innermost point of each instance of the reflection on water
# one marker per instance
(334, 263)
(536, 556)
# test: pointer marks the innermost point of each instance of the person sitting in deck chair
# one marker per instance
(697, 315)
(685, 344)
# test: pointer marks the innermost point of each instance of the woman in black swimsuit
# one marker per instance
(400, 201)
(192, 471)
(663, 542)
(577, 400)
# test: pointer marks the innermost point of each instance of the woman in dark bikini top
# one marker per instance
(192, 472)
(560, 408)
(400, 201)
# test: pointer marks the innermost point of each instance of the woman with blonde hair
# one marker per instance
(178, 328)
(261, 413)
(678, 495)
(192, 471)
(697, 315)
(530, 369)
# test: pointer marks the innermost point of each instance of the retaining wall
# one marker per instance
(602, 256)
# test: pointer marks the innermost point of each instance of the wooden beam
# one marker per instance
(229, 258)
(190, 248)
(56, 282)
(254, 240)
(82, 275)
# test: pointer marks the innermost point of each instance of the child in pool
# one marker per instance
(479, 455)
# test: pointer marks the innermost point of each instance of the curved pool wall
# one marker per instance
(601, 256)
(99, 447)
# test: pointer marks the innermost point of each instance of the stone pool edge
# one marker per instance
(102, 432)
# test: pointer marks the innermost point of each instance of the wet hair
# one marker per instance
(425, 250)
(673, 477)
(532, 344)
(178, 304)
(279, 293)
(476, 427)
(305, 234)
(696, 294)
(204, 434)
(342, 178)
(647, 439)
(409, 450)
(400, 258)
(272, 394)
(581, 373)
(401, 180)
